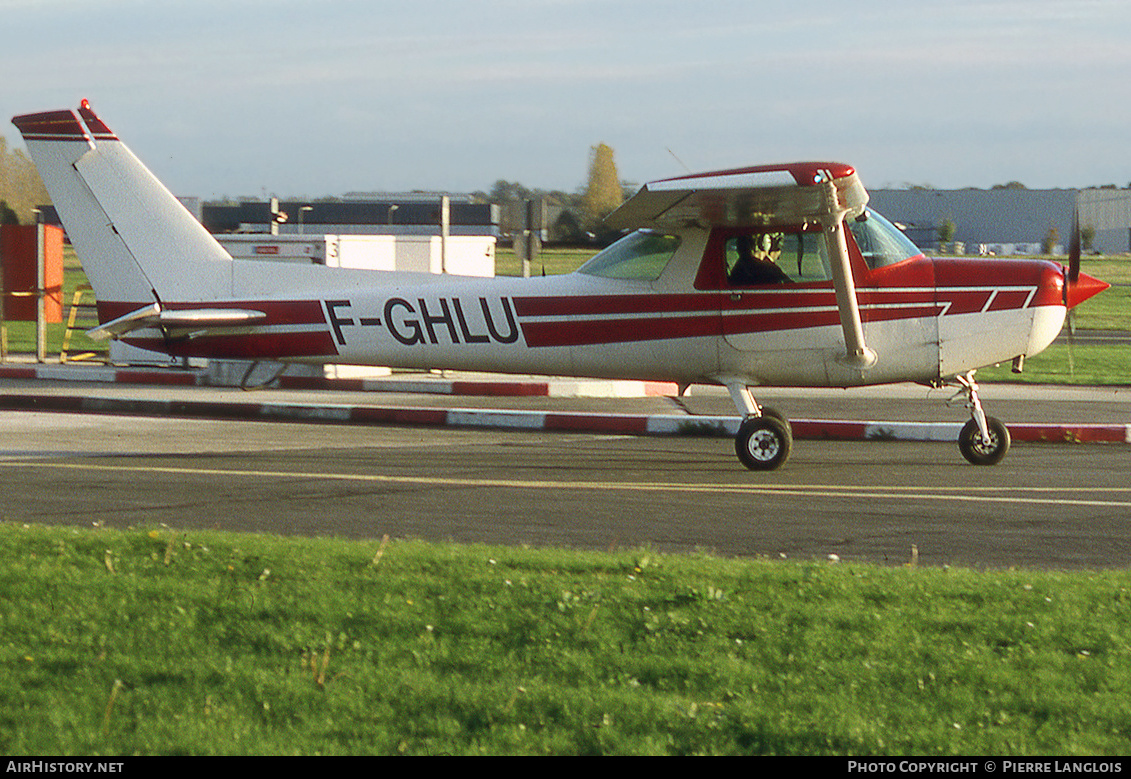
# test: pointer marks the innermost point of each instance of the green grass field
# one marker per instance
(1064, 364)
(555, 261)
(158, 642)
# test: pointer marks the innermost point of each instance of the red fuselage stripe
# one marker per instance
(247, 346)
(601, 319)
(601, 331)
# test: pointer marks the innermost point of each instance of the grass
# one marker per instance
(1063, 364)
(163, 642)
(555, 261)
(1109, 310)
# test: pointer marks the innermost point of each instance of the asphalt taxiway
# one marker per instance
(226, 464)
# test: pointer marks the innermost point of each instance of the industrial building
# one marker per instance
(403, 214)
(1009, 221)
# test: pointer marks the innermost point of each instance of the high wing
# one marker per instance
(766, 196)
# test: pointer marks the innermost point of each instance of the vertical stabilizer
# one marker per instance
(137, 243)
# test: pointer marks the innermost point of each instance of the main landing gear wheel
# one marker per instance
(768, 411)
(763, 443)
(983, 450)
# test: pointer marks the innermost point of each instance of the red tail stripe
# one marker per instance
(96, 125)
(50, 126)
(250, 346)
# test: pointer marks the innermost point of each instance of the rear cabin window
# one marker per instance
(639, 256)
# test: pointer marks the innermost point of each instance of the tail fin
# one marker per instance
(137, 243)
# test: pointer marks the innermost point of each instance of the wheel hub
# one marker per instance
(764, 445)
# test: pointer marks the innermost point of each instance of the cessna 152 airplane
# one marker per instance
(773, 275)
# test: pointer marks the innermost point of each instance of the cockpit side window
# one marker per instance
(760, 258)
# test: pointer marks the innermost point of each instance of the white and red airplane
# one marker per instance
(773, 275)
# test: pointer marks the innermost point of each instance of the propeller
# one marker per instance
(1078, 286)
(1073, 275)
(1071, 279)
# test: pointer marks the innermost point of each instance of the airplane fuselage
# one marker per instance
(929, 319)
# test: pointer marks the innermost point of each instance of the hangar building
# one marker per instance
(405, 214)
(1009, 221)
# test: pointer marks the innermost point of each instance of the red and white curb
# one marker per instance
(557, 421)
(544, 388)
(101, 374)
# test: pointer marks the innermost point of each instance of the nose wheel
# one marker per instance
(984, 448)
(983, 440)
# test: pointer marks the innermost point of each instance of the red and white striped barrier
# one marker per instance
(437, 385)
(559, 421)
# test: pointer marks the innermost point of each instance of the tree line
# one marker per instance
(573, 216)
(21, 190)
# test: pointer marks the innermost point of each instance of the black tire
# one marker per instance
(769, 411)
(981, 451)
(763, 443)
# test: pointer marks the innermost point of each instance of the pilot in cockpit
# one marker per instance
(757, 258)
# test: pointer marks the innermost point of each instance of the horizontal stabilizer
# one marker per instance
(153, 316)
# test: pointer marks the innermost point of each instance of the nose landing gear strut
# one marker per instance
(984, 440)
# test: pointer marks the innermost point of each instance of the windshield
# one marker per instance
(880, 241)
(641, 256)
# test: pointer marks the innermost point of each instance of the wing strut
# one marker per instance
(857, 353)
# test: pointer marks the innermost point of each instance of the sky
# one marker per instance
(302, 99)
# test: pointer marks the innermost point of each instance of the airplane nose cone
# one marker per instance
(1083, 288)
